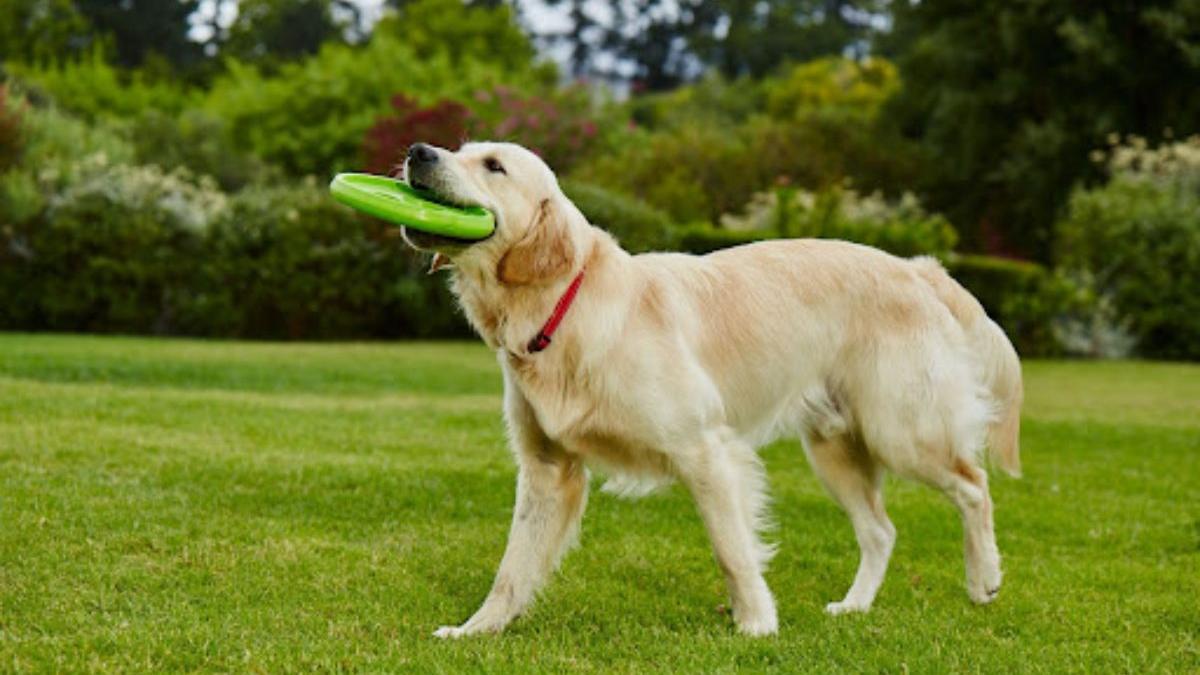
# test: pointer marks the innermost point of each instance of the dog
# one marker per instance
(666, 367)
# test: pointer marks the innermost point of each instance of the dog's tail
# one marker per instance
(1001, 368)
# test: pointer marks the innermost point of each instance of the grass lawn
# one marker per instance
(186, 505)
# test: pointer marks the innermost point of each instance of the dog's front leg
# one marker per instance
(551, 496)
(720, 473)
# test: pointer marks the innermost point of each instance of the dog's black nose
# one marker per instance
(422, 153)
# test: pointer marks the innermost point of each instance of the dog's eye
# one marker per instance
(492, 164)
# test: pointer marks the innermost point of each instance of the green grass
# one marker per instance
(182, 505)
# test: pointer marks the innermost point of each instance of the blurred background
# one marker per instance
(163, 163)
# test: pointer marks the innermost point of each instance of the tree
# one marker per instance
(268, 32)
(665, 42)
(139, 29)
(39, 31)
(484, 31)
(1008, 97)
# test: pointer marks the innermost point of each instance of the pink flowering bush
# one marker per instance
(443, 124)
(559, 128)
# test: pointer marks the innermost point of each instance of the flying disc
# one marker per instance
(399, 203)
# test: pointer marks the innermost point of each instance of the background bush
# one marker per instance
(636, 225)
(114, 251)
(198, 141)
(1134, 244)
(311, 117)
(898, 226)
(289, 263)
(94, 89)
(112, 119)
(11, 140)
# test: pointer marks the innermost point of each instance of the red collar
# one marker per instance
(542, 339)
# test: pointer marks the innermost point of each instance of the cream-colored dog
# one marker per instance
(667, 366)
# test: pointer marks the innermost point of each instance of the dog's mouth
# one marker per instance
(422, 240)
(427, 241)
(428, 193)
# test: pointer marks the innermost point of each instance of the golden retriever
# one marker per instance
(669, 366)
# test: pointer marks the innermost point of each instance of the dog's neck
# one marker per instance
(507, 316)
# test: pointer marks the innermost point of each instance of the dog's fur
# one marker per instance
(671, 366)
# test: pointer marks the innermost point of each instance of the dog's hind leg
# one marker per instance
(966, 485)
(854, 478)
(715, 471)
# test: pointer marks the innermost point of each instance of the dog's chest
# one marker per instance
(584, 416)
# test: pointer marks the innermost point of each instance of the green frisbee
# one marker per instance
(398, 203)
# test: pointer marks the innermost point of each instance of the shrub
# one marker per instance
(52, 146)
(706, 149)
(694, 172)
(558, 127)
(197, 141)
(1135, 245)
(11, 137)
(713, 98)
(115, 250)
(288, 262)
(848, 88)
(477, 32)
(701, 238)
(92, 88)
(901, 227)
(313, 115)
(637, 225)
(443, 124)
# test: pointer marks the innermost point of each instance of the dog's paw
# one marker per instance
(982, 595)
(767, 625)
(450, 632)
(845, 607)
(984, 585)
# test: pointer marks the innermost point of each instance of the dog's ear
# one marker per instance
(543, 254)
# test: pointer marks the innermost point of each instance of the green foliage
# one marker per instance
(271, 32)
(667, 43)
(464, 33)
(54, 145)
(198, 141)
(855, 90)
(43, 31)
(12, 141)
(138, 32)
(1135, 243)
(714, 98)
(636, 225)
(561, 126)
(694, 172)
(288, 262)
(1007, 99)
(901, 227)
(113, 251)
(312, 116)
(95, 89)
(701, 238)
(90, 241)
(708, 148)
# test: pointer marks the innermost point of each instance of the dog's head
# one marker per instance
(532, 243)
